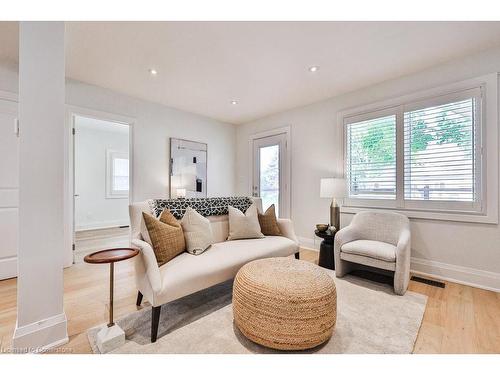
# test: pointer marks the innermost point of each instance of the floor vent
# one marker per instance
(435, 283)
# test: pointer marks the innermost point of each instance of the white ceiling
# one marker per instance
(202, 66)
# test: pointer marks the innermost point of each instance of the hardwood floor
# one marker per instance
(458, 319)
(88, 241)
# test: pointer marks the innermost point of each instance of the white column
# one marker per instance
(41, 322)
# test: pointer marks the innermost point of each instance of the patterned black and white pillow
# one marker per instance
(204, 206)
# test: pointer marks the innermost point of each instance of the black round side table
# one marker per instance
(326, 248)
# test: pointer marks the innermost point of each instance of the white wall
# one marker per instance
(8, 79)
(92, 141)
(153, 125)
(464, 251)
(9, 189)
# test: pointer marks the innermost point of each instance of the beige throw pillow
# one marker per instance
(244, 225)
(197, 232)
(166, 236)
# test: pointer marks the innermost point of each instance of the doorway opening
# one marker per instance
(101, 180)
(271, 170)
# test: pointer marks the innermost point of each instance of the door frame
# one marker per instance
(287, 165)
(10, 195)
(69, 179)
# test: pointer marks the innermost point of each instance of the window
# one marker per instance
(417, 155)
(371, 151)
(439, 153)
(117, 176)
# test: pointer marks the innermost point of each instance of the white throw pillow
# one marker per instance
(197, 232)
(244, 225)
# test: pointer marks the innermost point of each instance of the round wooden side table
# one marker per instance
(326, 256)
(112, 336)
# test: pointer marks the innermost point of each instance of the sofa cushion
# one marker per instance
(167, 238)
(269, 223)
(244, 225)
(373, 249)
(197, 232)
(220, 227)
(186, 274)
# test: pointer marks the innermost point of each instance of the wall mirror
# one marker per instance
(188, 169)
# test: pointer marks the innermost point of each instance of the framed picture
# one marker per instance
(188, 169)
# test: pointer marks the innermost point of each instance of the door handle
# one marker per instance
(76, 195)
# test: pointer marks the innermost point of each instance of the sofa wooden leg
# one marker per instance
(155, 320)
(139, 299)
(297, 255)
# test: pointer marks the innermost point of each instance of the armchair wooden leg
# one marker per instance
(139, 299)
(297, 255)
(155, 320)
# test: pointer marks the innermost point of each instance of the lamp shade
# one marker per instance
(332, 188)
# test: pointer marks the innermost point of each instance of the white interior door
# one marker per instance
(9, 189)
(270, 173)
(101, 183)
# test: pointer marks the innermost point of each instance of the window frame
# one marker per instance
(364, 202)
(485, 208)
(111, 193)
(456, 206)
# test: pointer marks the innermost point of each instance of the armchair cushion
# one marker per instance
(373, 249)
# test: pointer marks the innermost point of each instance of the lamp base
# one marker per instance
(335, 215)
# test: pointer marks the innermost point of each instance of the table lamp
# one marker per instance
(333, 188)
(181, 193)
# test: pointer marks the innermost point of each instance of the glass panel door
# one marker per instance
(269, 182)
(269, 176)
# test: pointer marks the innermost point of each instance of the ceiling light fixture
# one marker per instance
(153, 72)
(313, 69)
(234, 102)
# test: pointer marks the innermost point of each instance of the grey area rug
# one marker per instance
(370, 319)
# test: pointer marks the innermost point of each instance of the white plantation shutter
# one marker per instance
(439, 152)
(371, 158)
(424, 154)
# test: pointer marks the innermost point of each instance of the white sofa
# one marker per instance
(376, 239)
(186, 273)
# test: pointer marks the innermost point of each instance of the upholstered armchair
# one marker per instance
(376, 239)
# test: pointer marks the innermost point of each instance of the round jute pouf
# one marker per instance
(285, 304)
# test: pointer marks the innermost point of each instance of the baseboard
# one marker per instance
(443, 271)
(101, 225)
(457, 274)
(41, 336)
(8, 268)
(308, 243)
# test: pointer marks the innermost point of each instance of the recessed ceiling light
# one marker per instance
(153, 72)
(234, 102)
(313, 69)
